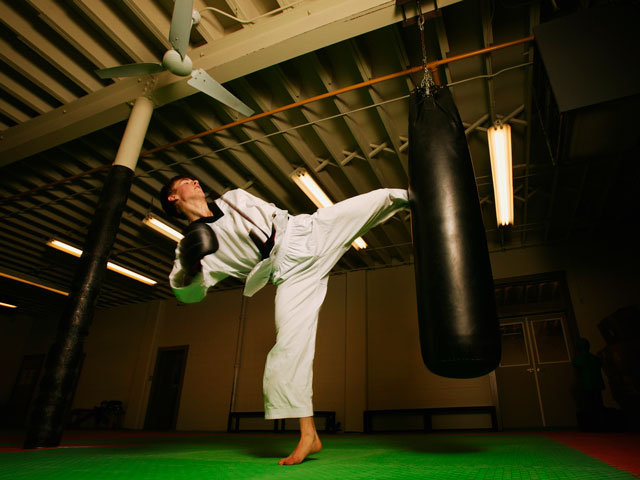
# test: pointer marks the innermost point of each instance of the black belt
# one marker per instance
(264, 247)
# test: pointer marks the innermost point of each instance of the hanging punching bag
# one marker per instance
(459, 332)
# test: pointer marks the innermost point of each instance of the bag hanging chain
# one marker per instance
(427, 83)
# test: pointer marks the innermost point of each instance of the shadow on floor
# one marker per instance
(427, 443)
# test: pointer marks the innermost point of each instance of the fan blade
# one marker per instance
(181, 26)
(131, 70)
(202, 81)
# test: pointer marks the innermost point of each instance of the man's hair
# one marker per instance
(168, 205)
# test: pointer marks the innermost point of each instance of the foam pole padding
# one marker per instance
(65, 356)
(459, 330)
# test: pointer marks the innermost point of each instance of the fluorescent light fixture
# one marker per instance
(8, 305)
(28, 282)
(359, 243)
(499, 136)
(76, 252)
(311, 189)
(161, 227)
(128, 273)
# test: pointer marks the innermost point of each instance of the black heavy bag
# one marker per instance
(459, 332)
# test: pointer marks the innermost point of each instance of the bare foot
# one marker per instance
(308, 444)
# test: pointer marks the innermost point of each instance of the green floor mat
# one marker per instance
(255, 456)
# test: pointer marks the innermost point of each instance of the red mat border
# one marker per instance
(620, 450)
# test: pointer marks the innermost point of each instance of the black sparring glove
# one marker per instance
(199, 241)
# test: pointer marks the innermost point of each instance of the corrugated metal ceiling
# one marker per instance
(61, 124)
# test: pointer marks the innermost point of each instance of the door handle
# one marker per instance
(531, 370)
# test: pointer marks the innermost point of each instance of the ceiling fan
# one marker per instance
(178, 62)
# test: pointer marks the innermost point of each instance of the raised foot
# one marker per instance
(306, 447)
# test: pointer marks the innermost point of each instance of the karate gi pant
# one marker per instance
(311, 246)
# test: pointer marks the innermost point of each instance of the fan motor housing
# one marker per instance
(177, 65)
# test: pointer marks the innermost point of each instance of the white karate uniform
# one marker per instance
(306, 249)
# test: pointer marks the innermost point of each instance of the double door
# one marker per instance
(535, 378)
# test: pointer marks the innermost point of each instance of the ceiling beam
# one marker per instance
(31, 35)
(112, 23)
(23, 94)
(487, 38)
(152, 16)
(299, 30)
(352, 127)
(12, 112)
(71, 121)
(70, 27)
(366, 73)
(242, 155)
(245, 10)
(13, 55)
(305, 156)
(209, 27)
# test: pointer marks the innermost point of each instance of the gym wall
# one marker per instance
(367, 354)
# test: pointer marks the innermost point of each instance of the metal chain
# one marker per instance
(427, 83)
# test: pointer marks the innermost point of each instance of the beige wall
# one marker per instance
(329, 362)
(355, 351)
(210, 328)
(259, 335)
(367, 354)
(111, 353)
(397, 377)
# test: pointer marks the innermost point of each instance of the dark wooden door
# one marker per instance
(166, 386)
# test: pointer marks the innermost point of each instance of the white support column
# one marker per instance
(131, 144)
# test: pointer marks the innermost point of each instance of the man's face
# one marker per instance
(185, 190)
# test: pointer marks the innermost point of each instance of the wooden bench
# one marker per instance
(233, 422)
(427, 414)
(330, 425)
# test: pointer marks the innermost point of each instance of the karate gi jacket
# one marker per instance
(237, 254)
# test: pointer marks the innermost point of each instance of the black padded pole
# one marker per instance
(63, 361)
(459, 332)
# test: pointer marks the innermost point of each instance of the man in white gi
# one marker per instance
(255, 240)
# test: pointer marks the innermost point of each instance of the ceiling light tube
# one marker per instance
(28, 282)
(161, 227)
(129, 273)
(499, 136)
(311, 189)
(76, 252)
(8, 305)
(359, 244)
